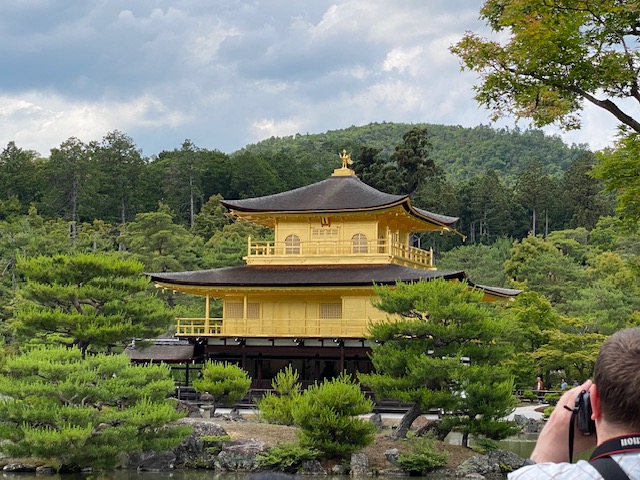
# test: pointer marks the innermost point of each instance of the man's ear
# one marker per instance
(594, 396)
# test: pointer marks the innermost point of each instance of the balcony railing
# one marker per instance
(372, 249)
(269, 327)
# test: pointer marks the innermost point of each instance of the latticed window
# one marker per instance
(330, 310)
(324, 233)
(236, 310)
(360, 243)
(292, 244)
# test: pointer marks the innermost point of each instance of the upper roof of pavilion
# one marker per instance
(341, 193)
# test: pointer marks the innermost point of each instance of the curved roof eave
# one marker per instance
(332, 196)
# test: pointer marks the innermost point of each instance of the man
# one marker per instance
(615, 401)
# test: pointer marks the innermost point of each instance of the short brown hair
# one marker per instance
(617, 377)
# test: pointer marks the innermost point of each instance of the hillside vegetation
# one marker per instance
(461, 152)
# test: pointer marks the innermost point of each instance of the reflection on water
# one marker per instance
(521, 444)
(135, 475)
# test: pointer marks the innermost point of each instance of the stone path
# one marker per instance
(528, 411)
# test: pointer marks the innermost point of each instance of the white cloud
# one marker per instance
(226, 73)
(403, 60)
(268, 127)
(41, 122)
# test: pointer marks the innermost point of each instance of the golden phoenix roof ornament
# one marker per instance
(346, 158)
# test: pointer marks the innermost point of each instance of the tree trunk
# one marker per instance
(465, 439)
(192, 206)
(533, 222)
(406, 421)
(74, 211)
(435, 427)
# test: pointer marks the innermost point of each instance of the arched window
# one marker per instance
(359, 243)
(292, 244)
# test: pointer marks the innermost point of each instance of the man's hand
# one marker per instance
(553, 441)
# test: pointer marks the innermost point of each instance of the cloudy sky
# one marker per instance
(225, 73)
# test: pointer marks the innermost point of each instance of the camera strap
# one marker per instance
(615, 445)
(601, 457)
(572, 431)
(609, 469)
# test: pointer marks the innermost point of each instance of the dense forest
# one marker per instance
(531, 214)
(479, 170)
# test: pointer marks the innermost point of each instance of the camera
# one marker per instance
(583, 413)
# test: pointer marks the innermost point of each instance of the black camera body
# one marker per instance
(583, 414)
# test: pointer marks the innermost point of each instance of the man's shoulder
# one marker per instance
(630, 463)
(541, 471)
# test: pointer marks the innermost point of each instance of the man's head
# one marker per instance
(617, 378)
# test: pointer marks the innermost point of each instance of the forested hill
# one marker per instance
(462, 152)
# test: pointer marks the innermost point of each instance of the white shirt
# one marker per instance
(630, 463)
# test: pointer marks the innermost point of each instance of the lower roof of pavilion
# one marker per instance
(310, 276)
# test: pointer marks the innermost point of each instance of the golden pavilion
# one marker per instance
(305, 298)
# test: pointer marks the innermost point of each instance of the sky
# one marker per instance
(227, 73)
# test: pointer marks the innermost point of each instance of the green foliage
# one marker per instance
(88, 300)
(227, 246)
(120, 167)
(571, 348)
(545, 269)
(211, 218)
(227, 382)
(160, 244)
(488, 399)
(20, 176)
(287, 457)
(327, 415)
(423, 456)
(529, 395)
(484, 445)
(418, 357)
(547, 412)
(551, 398)
(278, 407)
(215, 443)
(84, 412)
(482, 263)
(619, 170)
(552, 56)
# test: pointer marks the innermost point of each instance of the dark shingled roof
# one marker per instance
(335, 194)
(302, 275)
(315, 276)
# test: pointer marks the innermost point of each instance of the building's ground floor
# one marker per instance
(314, 359)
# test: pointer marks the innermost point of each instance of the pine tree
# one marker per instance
(418, 355)
(92, 301)
(84, 412)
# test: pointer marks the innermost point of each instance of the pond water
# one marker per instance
(521, 444)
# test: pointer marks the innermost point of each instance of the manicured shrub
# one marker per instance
(551, 398)
(227, 382)
(287, 457)
(277, 407)
(422, 457)
(484, 445)
(327, 415)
